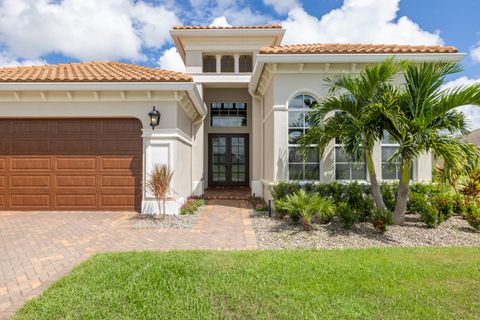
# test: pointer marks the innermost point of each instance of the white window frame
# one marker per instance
(349, 163)
(295, 145)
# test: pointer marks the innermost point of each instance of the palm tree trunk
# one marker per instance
(402, 193)
(374, 185)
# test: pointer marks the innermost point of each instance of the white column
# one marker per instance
(257, 147)
(158, 150)
(236, 58)
(219, 62)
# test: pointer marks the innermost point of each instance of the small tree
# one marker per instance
(158, 184)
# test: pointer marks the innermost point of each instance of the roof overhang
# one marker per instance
(263, 59)
(189, 87)
(178, 34)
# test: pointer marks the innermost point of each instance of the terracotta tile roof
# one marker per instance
(90, 72)
(266, 26)
(321, 48)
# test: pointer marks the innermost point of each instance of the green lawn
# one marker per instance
(337, 284)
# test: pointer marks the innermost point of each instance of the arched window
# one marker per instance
(228, 64)
(300, 168)
(209, 64)
(245, 63)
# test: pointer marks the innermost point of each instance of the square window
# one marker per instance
(295, 171)
(295, 119)
(294, 134)
(340, 155)
(312, 172)
(389, 171)
(342, 171)
(359, 171)
(294, 155)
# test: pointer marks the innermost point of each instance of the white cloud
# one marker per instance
(83, 29)
(171, 60)
(283, 6)
(472, 112)
(235, 12)
(8, 60)
(475, 53)
(220, 22)
(357, 21)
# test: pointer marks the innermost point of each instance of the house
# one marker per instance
(80, 137)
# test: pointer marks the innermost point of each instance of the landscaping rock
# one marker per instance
(282, 234)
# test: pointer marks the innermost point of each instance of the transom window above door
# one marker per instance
(228, 114)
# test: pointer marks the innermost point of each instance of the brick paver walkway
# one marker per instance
(37, 248)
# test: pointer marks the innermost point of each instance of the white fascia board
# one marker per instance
(219, 78)
(189, 87)
(177, 34)
(262, 59)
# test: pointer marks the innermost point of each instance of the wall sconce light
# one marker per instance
(154, 118)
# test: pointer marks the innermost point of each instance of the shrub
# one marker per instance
(381, 219)
(192, 205)
(458, 204)
(444, 204)
(347, 215)
(431, 216)
(472, 214)
(258, 204)
(388, 190)
(305, 206)
(282, 189)
(417, 202)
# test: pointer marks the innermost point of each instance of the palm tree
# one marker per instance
(356, 121)
(422, 118)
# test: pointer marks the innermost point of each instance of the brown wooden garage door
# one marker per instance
(81, 164)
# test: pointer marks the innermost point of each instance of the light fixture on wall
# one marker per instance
(154, 118)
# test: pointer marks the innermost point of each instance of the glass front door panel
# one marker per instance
(229, 160)
(219, 159)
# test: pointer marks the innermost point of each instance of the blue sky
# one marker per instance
(453, 22)
(61, 31)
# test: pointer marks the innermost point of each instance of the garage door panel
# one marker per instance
(121, 126)
(123, 163)
(117, 200)
(30, 163)
(77, 164)
(119, 181)
(81, 147)
(27, 201)
(83, 128)
(113, 147)
(37, 181)
(75, 181)
(36, 147)
(31, 128)
(74, 164)
(75, 200)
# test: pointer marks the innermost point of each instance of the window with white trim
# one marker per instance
(345, 167)
(300, 168)
(391, 170)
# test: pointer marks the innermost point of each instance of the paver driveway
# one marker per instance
(37, 248)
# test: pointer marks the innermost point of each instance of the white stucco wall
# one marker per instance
(169, 143)
(286, 82)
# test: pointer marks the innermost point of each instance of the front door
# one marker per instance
(228, 159)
